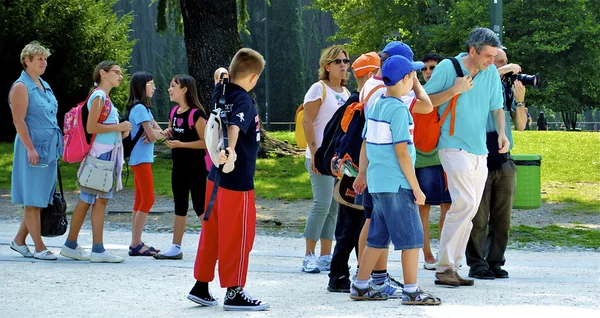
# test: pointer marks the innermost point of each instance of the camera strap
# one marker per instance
(224, 125)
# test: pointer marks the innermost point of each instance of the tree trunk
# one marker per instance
(570, 119)
(211, 40)
(271, 147)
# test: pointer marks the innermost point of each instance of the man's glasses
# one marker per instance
(338, 61)
(430, 68)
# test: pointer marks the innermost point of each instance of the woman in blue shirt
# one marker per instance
(38, 145)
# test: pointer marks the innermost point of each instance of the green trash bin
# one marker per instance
(528, 192)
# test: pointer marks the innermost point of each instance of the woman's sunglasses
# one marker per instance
(430, 68)
(338, 61)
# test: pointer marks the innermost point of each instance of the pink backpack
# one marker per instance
(207, 159)
(76, 146)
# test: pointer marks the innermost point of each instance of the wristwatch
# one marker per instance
(519, 104)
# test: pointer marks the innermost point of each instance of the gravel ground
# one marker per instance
(276, 217)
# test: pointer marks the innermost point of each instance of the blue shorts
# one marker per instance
(395, 218)
(366, 200)
(433, 184)
(91, 198)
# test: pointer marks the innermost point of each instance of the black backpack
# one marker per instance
(129, 143)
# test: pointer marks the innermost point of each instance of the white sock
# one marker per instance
(174, 250)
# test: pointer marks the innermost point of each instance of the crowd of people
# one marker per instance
(469, 174)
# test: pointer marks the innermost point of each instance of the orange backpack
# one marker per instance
(428, 126)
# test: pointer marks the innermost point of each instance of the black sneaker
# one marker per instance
(201, 295)
(238, 299)
(339, 284)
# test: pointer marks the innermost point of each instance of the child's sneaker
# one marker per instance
(238, 299)
(419, 298)
(367, 293)
(75, 253)
(309, 264)
(201, 297)
(105, 257)
(324, 262)
(393, 282)
(387, 289)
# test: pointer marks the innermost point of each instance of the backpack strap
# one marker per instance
(172, 114)
(349, 112)
(324, 92)
(452, 103)
(191, 117)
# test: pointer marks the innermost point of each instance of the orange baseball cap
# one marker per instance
(366, 63)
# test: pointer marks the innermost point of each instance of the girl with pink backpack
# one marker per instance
(185, 137)
(106, 147)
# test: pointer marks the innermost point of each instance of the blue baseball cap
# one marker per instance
(399, 48)
(397, 67)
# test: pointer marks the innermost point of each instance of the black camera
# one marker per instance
(527, 80)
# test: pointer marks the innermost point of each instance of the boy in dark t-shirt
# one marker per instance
(228, 235)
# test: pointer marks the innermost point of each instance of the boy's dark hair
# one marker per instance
(432, 57)
(137, 90)
(245, 62)
(191, 95)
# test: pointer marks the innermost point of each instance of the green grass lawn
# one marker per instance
(570, 169)
(283, 178)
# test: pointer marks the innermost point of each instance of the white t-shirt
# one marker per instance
(333, 101)
(375, 81)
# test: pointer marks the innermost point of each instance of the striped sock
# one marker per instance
(379, 277)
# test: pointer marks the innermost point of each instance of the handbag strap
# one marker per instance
(60, 180)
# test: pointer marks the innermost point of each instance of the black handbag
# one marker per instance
(54, 216)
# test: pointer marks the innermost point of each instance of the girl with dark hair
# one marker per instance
(106, 146)
(186, 140)
(141, 89)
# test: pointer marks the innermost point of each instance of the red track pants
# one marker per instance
(228, 236)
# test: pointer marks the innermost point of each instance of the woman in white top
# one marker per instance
(320, 103)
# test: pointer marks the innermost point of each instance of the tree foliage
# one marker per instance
(559, 39)
(79, 34)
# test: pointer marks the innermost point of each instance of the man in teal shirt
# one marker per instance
(462, 149)
(485, 249)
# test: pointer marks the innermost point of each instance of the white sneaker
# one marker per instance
(309, 264)
(75, 253)
(21, 249)
(45, 255)
(105, 257)
(324, 262)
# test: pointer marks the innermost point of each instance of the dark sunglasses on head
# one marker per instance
(430, 68)
(338, 61)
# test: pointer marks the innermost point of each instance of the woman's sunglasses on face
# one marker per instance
(431, 67)
(338, 61)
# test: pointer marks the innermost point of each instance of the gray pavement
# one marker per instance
(542, 284)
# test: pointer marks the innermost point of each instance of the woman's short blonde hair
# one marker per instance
(33, 49)
(327, 56)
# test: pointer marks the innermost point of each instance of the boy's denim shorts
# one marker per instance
(395, 218)
(91, 198)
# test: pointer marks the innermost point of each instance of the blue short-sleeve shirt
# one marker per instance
(142, 152)
(389, 122)
(472, 108)
(113, 118)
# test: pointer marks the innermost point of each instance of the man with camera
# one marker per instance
(485, 249)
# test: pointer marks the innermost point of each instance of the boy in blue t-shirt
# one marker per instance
(391, 180)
